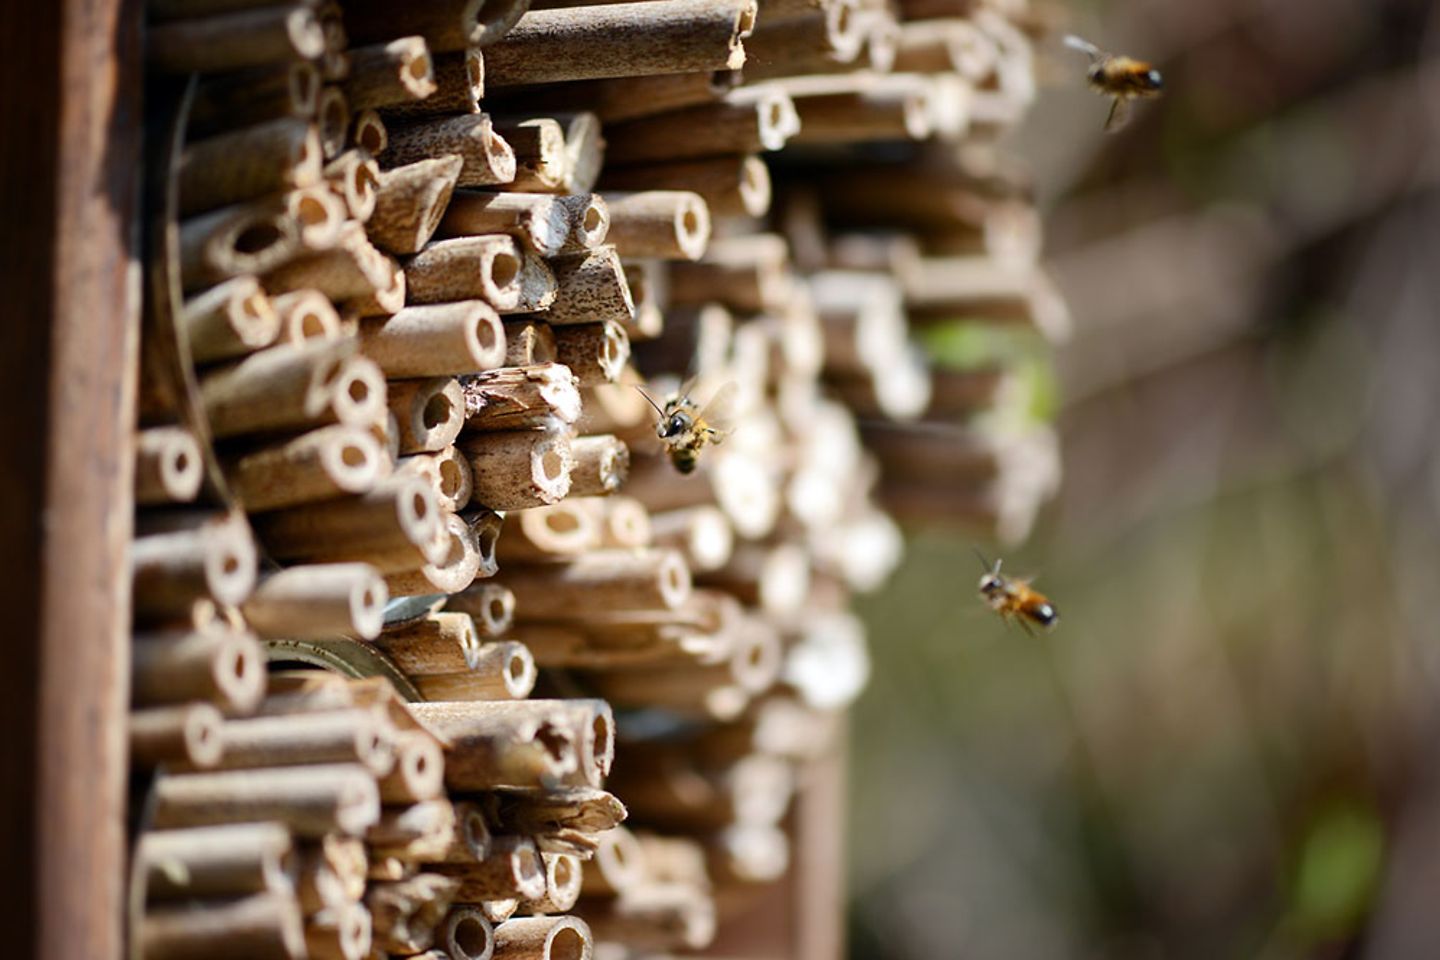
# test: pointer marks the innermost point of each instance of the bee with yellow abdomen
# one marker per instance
(1014, 599)
(1122, 78)
(685, 428)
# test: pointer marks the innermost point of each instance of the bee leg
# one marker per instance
(1024, 625)
(1119, 115)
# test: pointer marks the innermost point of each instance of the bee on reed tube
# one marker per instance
(1014, 599)
(1122, 78)
(685, 428)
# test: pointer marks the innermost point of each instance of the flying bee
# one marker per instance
(1013, 598)
(685, 428)
(1122, 78)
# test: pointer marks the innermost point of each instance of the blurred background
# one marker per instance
(1228, 746)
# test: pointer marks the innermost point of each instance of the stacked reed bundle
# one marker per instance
(410, 318)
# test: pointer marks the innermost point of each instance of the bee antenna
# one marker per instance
(984, 564)
(650, 400)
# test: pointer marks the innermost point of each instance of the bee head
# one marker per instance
(673, 426)
(991, 584)
(1153, 81)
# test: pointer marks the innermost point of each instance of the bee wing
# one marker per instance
(1119, 115)
(719, 412)
(1084, 46)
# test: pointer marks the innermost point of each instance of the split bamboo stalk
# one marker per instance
(487, 158)
(591, 287)
(733, 186)
(243, 98)
(332, 119)
(594, 352)
(447, 471)
(222, 666)
(405, 914)
(419, 773)
(519, 743)
(396, 522)
(331, 871)
(319, 465)
(235, 40)
(221, 861)
(268, 158)
(307, 315)
(179, 558)
(701, 533)
(491, 605)
(512, 868)
(601, 581)
(749, 273)
(664, 224)
(435, 644)
(541, 163)
(354, 176)
(589, 221)
(265, 926)
(601, 465)
(459, 78)
(324, 600)
(362, 737)
(339, 932)
(498, 911)
(410, 201)
(168, 466)
(311, 800)
(621, 40)
(187, 735)
(539, 221)
(538, 287)
(759, 120)
(229, 320)
(464, 268)
(466, 934)
(446, 25)
(436, 340)
(422, 830)
(529, 342)
(386, 73)
(561, 530)
(485, 524)
(291, 387)
(430, 412)
(520, 398)
(353, 272)
(502, 671)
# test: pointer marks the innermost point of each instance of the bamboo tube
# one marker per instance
(900, 392)
(339, 932)
(405, 914)
(985, 289)
(776, 579)
(520, 398)
(335, 62)
(591, 287)
(854, 109)
(520, 743)
(749, 854)
(397, 523)
(563, 873)
(733, 186)
(186, 556)
(354, 176)
(306, 315)
(455, 572)
(234, 40)
(168, 467)
(311, 800)
(748, 273)
(528, 342)
(539, 221)
(419, 773)
(436, 340)
(225, 667)
(537, 285)
(353, 272)
(584, 150)
(627, 97)
(502, 671)
(261, 926)
(418, 831)
(820, 43)
(666, 789)
(541, 163)
(447, 471)
(242, 98)
(430, 412)
(410, 201)
(447, 25)
(293, 386)
(436, 644)
(332, 119)
(700, 533)
(369, 133)
(332, 871)
(621, 40)
(318, 601)
(466, 934)
(319, 465)
(267, 158)
(544, 938)
(601, 581)
(386, 73)
(361, 737)
(561, 530)
(221, 861)
(231, 241)
(485, 268)
(666, 224)
(762, 120)
(648, 281)
(487, 158)
(187, 734)
(673, 859)
(485, 524)
(624, 521)
(600, 467)
(229, 320)
(512, 868)
(594, 352)
(491, 605)
(862, 318)
(470, 842)
(615, 407)
(459, 78)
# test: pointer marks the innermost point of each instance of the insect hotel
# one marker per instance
(375, 613)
